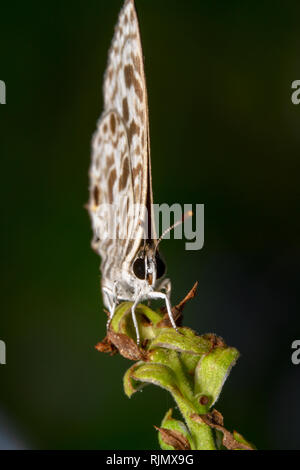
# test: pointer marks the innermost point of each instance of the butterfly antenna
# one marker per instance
(179, 222)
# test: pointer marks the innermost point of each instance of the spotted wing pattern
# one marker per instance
(126, 113)
(125, 91)
(111, 181)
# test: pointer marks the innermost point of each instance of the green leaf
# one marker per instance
(182, 341)
(130, 384)
(156, 374)
(190, 362)
(153, 317)
(212, 371)
(121, 320)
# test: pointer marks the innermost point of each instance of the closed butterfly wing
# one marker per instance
(125, 91)
(111, 192)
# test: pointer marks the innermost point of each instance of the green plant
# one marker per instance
(192, 368)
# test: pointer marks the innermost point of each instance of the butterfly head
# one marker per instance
(148, 265)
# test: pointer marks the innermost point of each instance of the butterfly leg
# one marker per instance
(161, 295)
(111, 302)
(136, 326)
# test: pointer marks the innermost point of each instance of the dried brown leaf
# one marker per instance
(178, 309)
(106, 346)
(216, 341)
(215, 421)
(126, 346)
(174, 439)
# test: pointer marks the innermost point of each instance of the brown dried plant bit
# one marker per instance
(178, 309)
(230, 443)
(174, 439)
(189, 296)
(216, 341)
(217, 417)
(215, 421)
(126, 346)
(106, 346)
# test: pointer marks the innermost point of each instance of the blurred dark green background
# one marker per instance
(224, 133)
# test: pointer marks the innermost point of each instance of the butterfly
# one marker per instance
(121, 199)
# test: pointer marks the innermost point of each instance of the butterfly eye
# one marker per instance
(139, 268)
(160, 266)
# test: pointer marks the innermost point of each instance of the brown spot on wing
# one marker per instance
(138, 89)
(125, 109)
(133, 129)
(137, 62)
(137, 171)
(113, 123)
(129, 75)
(140, 113)
(111, 182)
(124, 175)
(131, 80)
(96, 195)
